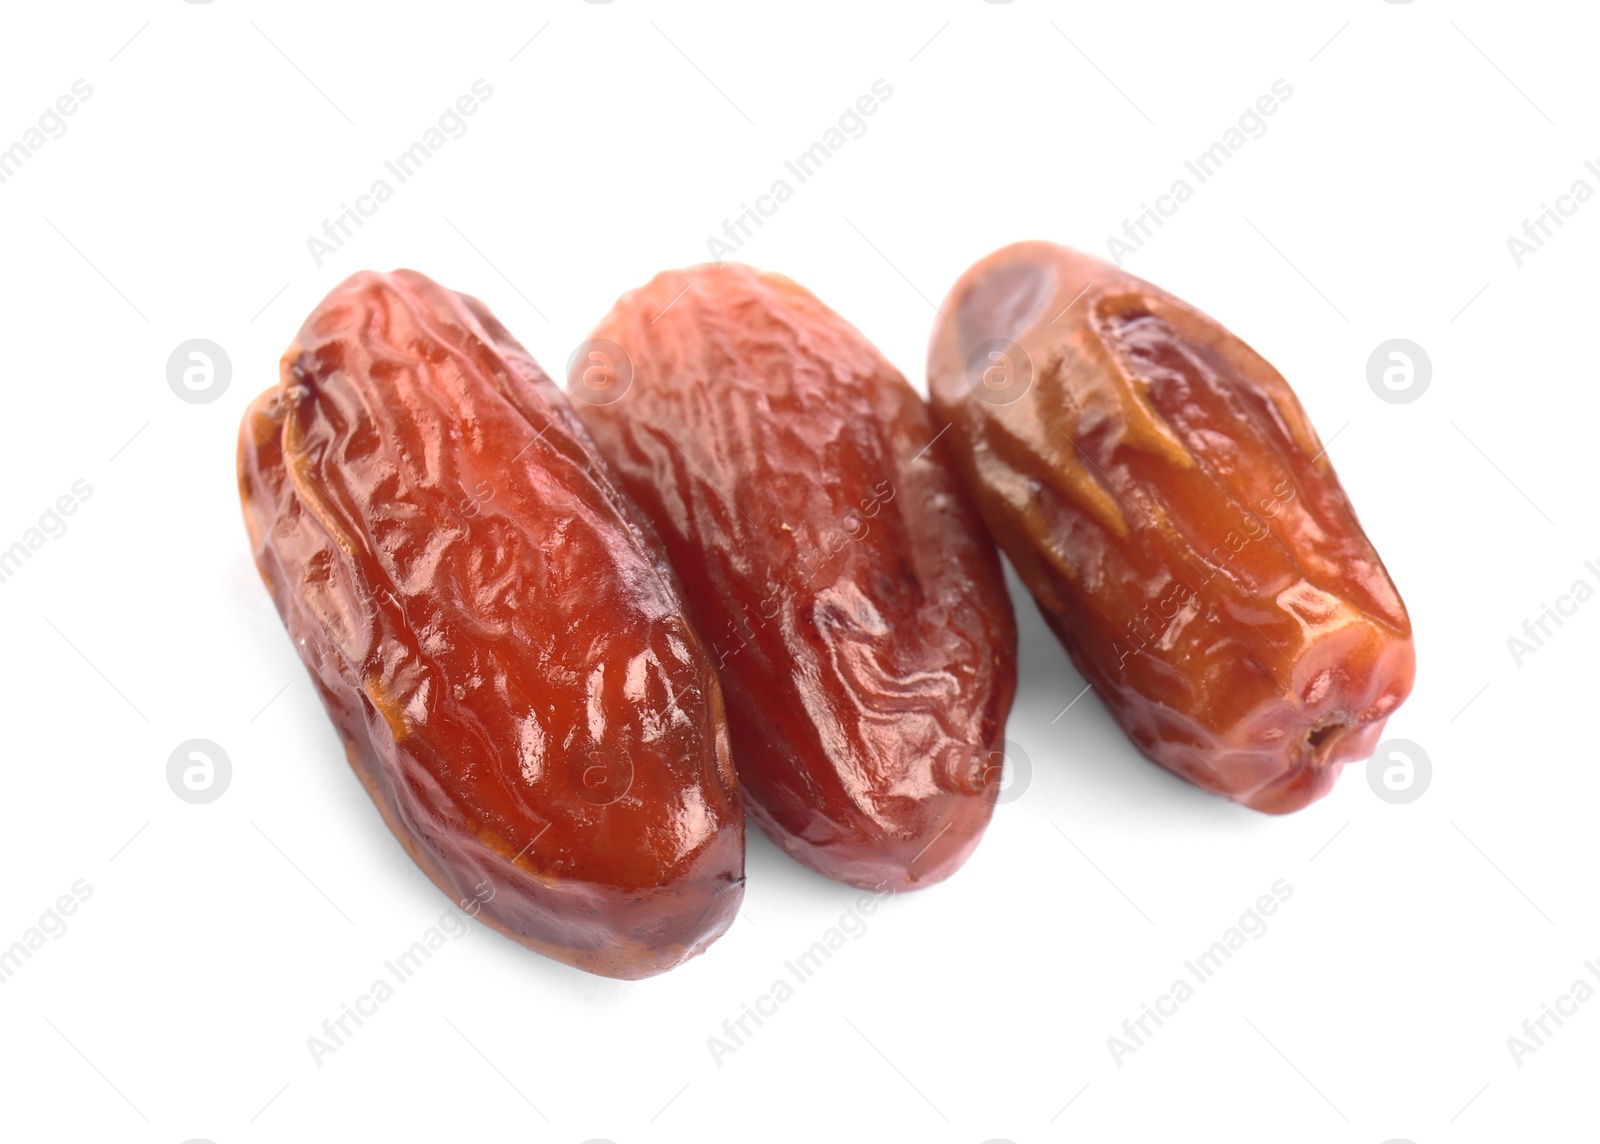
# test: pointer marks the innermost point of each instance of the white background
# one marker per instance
(219, 937)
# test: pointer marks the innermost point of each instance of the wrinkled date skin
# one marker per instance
(499, 643)
(1166, 501)
(830, 558)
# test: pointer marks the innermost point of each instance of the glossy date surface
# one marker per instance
(1162, 494)
(830, 558)
(499, 643)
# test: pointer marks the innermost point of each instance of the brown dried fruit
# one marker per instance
(1164, 497)
(829, 555)
(501, 647)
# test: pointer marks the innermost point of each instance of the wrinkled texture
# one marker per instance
(499, 643)
(1163, 496)
(830, 558)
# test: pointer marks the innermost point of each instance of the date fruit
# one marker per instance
(496, 636)
(1163, 496)
(830, 557)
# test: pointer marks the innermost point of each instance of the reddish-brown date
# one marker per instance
(496, 637)
(1163, 496)
(829, 557)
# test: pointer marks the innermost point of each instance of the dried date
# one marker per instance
(830, 557)
(1164, 497)
(497, 638)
